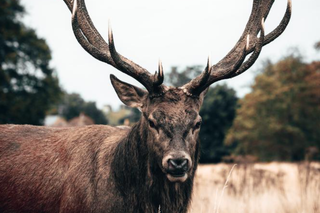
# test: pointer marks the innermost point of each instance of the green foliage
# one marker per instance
(28, 85)
(178, 78)
(317, 45)
(217, 112)
(280, 118)
(73, 104)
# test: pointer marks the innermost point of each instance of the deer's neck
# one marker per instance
(140, 180)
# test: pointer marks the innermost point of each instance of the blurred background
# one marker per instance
(269, 113)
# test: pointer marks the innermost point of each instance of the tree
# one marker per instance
(280, 118)
(178, 78)
(73, 104)
(317, 45)
(28, 85)
(217, 112)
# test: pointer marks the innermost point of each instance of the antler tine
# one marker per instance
(196, 83)
(250, 26)
(88, 27)
(150, 82)
(247, 64)
(158, 76)
(219, 71)
(233, 63)
(84, 42)
(69, 3)
(91, 40)
(279, 29)
(86, 33)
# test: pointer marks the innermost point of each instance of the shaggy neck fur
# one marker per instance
(141, 182)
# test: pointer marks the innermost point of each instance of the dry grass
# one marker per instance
(258, 188)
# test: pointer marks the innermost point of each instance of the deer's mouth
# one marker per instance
(177, 173)
(177, 177)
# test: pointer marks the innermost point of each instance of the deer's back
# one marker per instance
(41, 167)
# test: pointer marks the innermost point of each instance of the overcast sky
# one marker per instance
(179, 32)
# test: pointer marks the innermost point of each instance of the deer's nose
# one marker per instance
(180, 164)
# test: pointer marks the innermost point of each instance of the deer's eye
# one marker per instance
(151, 124)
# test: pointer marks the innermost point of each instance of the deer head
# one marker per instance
(170, 115)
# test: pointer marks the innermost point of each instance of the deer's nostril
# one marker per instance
(178, 164)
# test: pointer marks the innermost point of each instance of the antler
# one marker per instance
(91, 40)
(233, 63)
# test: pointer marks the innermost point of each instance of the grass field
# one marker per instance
(257, 188)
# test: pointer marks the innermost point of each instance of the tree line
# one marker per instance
(278, 120)
(29, 86)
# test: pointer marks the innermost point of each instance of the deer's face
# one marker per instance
(172, 123)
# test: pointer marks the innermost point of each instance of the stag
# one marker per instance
(147, 168)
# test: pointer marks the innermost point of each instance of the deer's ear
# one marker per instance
(130, 95)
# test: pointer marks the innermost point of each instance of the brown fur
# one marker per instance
(54, 169)
(100, 168)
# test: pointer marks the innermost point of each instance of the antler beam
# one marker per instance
(233, 63)
(91, 40)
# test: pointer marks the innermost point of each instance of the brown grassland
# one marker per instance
(257, 188)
